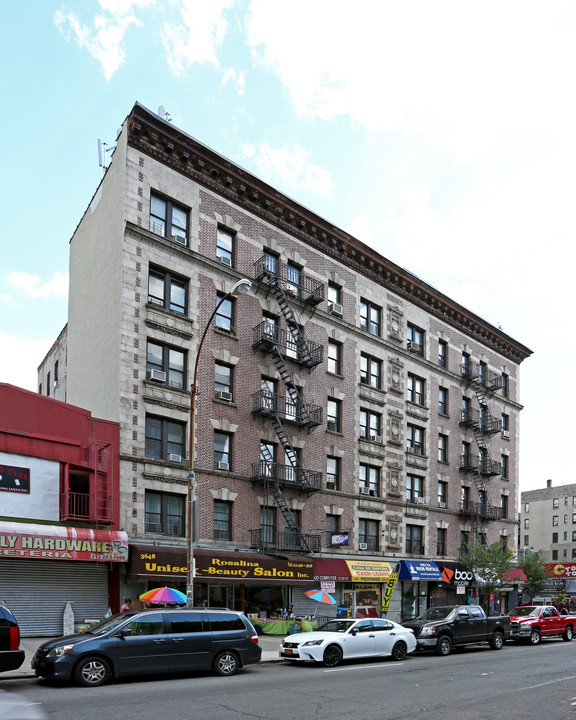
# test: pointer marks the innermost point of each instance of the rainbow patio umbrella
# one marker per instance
(164, 596)
(321, 597)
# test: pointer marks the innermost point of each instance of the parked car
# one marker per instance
(11, 657)
(149, 643)
(442, 628)
(345, 639)
(530, 623)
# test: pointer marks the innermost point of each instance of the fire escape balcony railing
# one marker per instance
(481, 420)
(484, 466)
(482, 510)
(286, 475)
(266, 541)
(282, 406)
(78, 506)
(266, 335)
(299, 285)
(474, 372)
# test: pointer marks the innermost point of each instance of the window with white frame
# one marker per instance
(223, 381)
(222, 450)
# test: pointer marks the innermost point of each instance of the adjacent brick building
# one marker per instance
(347, 412)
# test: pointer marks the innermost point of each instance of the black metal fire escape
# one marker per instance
(289, 408)
(483, 425)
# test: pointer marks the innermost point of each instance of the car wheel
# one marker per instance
(535, 637)
(568, 634)
(497, 641)
(399, 651)
(226, 663)
(332, 656)
(92, 671)
(444, 645)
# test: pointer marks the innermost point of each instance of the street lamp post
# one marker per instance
(240, 288)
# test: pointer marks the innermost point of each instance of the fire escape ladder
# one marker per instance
(290, 520)
(291, 320)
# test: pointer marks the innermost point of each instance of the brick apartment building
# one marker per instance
(350, 419)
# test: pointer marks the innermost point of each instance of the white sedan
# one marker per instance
(339, 640)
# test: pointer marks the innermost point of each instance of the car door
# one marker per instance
(189, 640)
(385, 636)
(478, 624)
(360, 641)
(550, 621)
(464, 628)
(142, 646)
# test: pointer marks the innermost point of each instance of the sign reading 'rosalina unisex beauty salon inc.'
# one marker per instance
(268, 569)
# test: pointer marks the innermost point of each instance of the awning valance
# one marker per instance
(419, 570)
(369, 571)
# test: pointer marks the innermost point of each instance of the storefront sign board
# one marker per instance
(369, 571)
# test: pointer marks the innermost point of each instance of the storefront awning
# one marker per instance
(55, 542)
(369, 571)
(422, 570)
(330, 569)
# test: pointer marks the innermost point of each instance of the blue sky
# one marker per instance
(440, 133)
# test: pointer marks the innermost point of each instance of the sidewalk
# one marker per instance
(269, 644)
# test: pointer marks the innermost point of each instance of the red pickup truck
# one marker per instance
(531, 623)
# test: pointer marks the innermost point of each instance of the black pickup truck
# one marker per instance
(442, 628)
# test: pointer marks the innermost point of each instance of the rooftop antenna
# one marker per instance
(103, 149)
(164, 114)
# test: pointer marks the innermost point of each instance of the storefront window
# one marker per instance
(368, 600)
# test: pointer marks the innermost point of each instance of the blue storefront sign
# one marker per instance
(423, 570)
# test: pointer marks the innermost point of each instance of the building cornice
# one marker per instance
(152, 136)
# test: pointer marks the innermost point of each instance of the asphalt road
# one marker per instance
(515, 683)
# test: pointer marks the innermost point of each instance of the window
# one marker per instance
(466, 407)
(368, 534)
(414, 543)
(267, 458)
(465, 496)
(443, 448)
(222, 451)
(415, 389)
(334, 357)
(526, 524)
(505, 385)
(555, 537)
(168, 219)
(441, 542)
(504, 466)
(271, 262)
(526, 540)
(503, 506)
(223, 381)
(225, 246)
(369, 480)
(293, 342)
(267, 394)
(48, 383)
(267, 525)
(222, 520)
(294, 278)
(526, 507)
(56, 373)
(414, 488)
(442, 353)
(333, 414)
(292, 528)
(332, 527)
(370, 426)
(370, 371)
(167, 291)
(573, 535)
(482, 373)
(442, 493)
(334, 294)
(332, 473)
(555, 502)
(555, 520)
(415, 439)
(164, 513)
(225, 314)
(167, 362)
(443, 401)
(164, 438)
(505, 425)
(465, 363)
(370, 317)
(415, 340)
(464, 539)
(481, 538)
(554, 554)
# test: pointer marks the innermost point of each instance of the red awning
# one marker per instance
(516, 575)
(326, 569)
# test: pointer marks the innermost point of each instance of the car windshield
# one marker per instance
(337, 626)
(108, 624)
(437, 613)
(524, 612)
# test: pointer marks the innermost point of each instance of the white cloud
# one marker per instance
(290, 168)
(104, 40)
(32, 285)
(196, 37)
(237, 79)
(29, 353)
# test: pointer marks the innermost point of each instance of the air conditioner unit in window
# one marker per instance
(505, 433)
(226, 260)
(376, 438)
(224, 395)
(410, 449)
(330, 485)
(364, 491)
(179, 239)
(441, 504)
(414, 347)
(332, 425)
(335, 309)
(223, 465)
(362, 546)
(155, 301)
(174, 457)
(157, 375)
(421, 499)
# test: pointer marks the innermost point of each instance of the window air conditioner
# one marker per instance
(330, 485)
(421, 499)
(158, 375)
(155, 301)
(441, 504)
(362, 546)
(179, 239)
(376, 438)
(413, 347)
(224, 395)
(364, 491)
(505, 433)
(223, 465)
(335, 309)
(225, 259)
(174, 457)
(410, 449)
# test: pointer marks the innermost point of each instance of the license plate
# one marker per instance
(288, 651)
